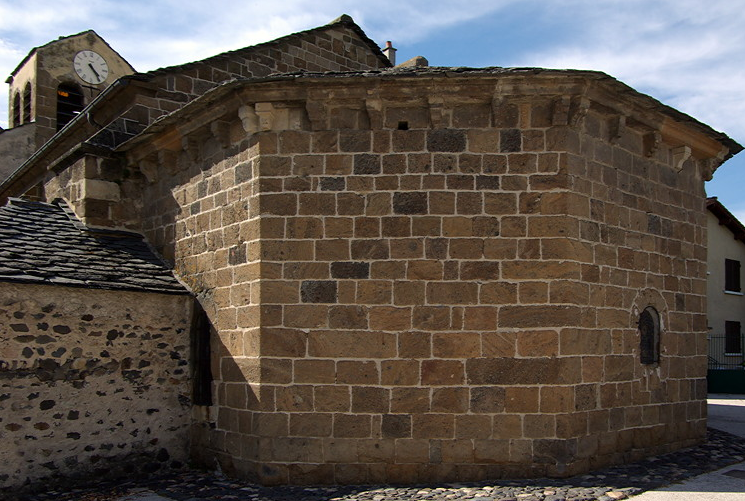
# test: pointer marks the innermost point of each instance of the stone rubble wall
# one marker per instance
(93, 383)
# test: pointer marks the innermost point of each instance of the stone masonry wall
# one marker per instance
(641, 242)
(92, 384)
(16, 145)
(436, 278)
(338, 48)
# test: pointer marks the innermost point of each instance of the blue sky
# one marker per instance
(689, 54)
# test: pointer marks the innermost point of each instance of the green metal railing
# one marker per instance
(726, 353)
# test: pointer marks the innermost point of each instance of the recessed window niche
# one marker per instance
(649, 330)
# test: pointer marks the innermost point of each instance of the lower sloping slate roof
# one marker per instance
(45, 243)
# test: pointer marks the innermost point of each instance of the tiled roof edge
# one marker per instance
(93, 285)
(70, 214)
(173, 285)
(62, 204)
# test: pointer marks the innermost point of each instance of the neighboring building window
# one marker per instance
(69, 103)
(731, 275)
(17, 110)
(649, 329)
(733, 338)
(27, 103)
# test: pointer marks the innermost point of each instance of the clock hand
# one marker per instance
(94, 71)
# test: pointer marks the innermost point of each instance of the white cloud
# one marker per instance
(416, 20)
(10, 54)
(687, 53)
(200, 29)
(152, 34)
(739, 214)
(42, 20)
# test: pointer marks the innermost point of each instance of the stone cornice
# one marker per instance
(317, 96)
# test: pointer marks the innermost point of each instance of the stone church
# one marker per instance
(297, 263)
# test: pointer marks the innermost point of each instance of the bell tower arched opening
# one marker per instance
(69, 103)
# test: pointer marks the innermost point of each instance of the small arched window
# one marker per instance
(27, 103)
(69, 103)
(649, 330)
(16, 110)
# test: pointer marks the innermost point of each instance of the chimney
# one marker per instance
(390, 53)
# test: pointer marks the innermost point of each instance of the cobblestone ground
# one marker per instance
(619, 482)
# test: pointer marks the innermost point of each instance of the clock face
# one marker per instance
(90, 67)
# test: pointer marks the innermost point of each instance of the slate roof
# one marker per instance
(45, 243)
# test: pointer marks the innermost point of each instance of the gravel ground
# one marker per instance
(618, 482)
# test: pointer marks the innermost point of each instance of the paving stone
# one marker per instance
(610, 484)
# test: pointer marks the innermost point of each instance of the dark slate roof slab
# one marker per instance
(44, 243)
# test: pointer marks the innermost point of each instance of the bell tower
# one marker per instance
(50, 86)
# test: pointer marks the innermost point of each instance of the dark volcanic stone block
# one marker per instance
(410, 203)
(367, 164)
(318, 291)
(350, 270)
(448, 140)
(510, 140)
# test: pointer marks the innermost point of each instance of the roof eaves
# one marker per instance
(732, 146)
(225, 88)
(432, 71)
(726, 218)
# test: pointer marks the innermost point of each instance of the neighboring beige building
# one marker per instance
(726, 301)
(49, 87)
(410, 274)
